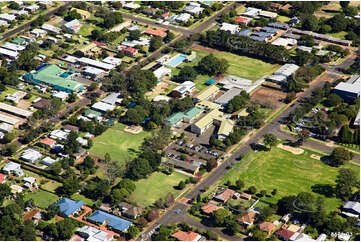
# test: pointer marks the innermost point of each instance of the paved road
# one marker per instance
(273, 127)
(27, 25)
(344, 65)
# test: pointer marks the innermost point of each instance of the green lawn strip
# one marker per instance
(156, 186)
(42, 198)
(282, 170)
(51, 185)
(283, 19)
(340, 35)
(88, 201)
(118, 143)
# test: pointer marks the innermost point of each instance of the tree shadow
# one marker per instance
(324, 189)
(258, 147)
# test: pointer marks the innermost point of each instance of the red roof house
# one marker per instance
(186, 236)
(3, 178)
(285, 234)
(48, 142)
(156, 32)
(130, 51)
(267, 227)
(225, 195)
(245, 196)
(165, 15)
(247, 218)
(243, 20)
(209, 208)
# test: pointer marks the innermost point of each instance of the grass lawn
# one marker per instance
(156, 186)
(280, 169)
(340, 35)
(42, 198)
(88, 201)
(118, 143)
(9, 90)
(283, 19)
(51, 185)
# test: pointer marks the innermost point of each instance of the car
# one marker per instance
(166, 22)
(178, 211)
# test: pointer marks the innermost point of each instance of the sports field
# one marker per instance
(288, 173)
(118, 143)
(156, 186)
(42, 198)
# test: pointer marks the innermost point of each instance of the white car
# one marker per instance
(159, 21)
(166, 23)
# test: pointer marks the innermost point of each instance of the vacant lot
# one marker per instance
(118, 143)
(268, 96)
(288, 173)
(42, 198)
(156, 186)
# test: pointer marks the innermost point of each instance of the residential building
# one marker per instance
(247, 219)
(245, 196)
(130, 51)
(228, 96)
(69, 207)
(6, 128)
(58, 134)
(243, 20)
(48, 161)
(350, 89)
(183, 17)
(50, 75)
(112, 60)
(38, 33)
(161, 72)
(209, 208)
(15, 97)
(185, 166)
(93, 234)
(206, 94)
(150, 11)
(95, 63)
(232, 28)
(267, 227)
(102, 107)
(114, 222)
(225, 195)
(351, 209)
(9, 119)
(186, 236)
(251, 12)
(32, 8)
(82, 141)
(3, 23)
(193, 9)
(51, 28)
(130, 211)
(15, 189)
(9, 53)
(84, 14)
(13, 168)
(13, 47)
(73, 25)
(268, 14)
(285, 42)
(61, 95)
(31, 155)
(50, 143)
(3, 178)
(156, 32)
(183, 89)
(7, 17)
(113, 99)
(92, 71)
(131, 6)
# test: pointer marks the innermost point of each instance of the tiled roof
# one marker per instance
(185, 236)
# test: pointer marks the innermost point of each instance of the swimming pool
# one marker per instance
(176, 60)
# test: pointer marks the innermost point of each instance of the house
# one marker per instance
(287, 70)
(209, 208)
(231, 81)
(293, 21)
(7, 17)
(95, 63)
(186, 236)
(243, 20)
(69, 207)
(131, 6)
(285, 234)
(84, 14)
(150, 11)
(247, 219)
(92, 71)
(38, 33)
(102, 107)
(285, 42)
(31, 155)
(183, 17)
(351, 209)
(130, 51)
(61, 95)
(16, 189)
(268, 14)
(301, 237)
(228, 96)
(114, 222)
(278, 25)
(183, 89)
(321, 237)
(48, 161)
(30, 181)
(3, 178)
(225, 128)
(13, 168)
(32, 8)
(304, 48)
(267, 227)
(130, 211)
(3, 23)
(51, 28)
(48, 142)
(231, 28)
(251, 12)
(278, 6)
(156, 32)
(185, 166)
(13, 47)
(112, 60)
(41, 104)
(225, 195)
(6, 128)
(164, 15)
(245, 196)
(160, 71)
(79, 154)
(69, 128)
(285, 218)
(73, 25)
(82, 141)
(9, 53)
(206, 94)
(58, 134)
(90, 233)
(349, 90)
(193, 9)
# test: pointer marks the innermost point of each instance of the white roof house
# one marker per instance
(2, 23)
(351, 209)
(59, 134)
(29, 179)
(6, 128)
(82, 141)
(161, 72)
(39, 33)
(71, 59)
(48, 161)
(285, 42)
(94, 234)
(112, 99)
(60, 95)
(93, 71)
(8, 119)
(287, 70)
(15, 110)
(232, 28)
(51, 28)
(112, 60)
(184, 17)
(231, 81)
(32, 8)
(131, 5)
(102, 107)
(13, 47)
(31, 155)
(95, 63)
(73, 25)
(193, 9)
(251, 12)
(9, 53)
(19, 12)
(268, 14)
(184, 88)
(7, 17)
(13, 168)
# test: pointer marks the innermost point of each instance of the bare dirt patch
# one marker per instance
(313, 156)
(55, 20)
(293, 150)
(268, 97)
(204, 49)
(133, 129)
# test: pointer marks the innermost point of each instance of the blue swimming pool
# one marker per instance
(176, 60)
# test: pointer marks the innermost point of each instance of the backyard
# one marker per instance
(42, 198)
(119, 144)
(156, 186)
(288, 173)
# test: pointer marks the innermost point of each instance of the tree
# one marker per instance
(274, 192)
(181, 185)
(28, 231)
(219, 217)
(152, 214)
(232, 227)
(310, 22)
(344, 4)
(307, 40)
(338, 23)
(170, 36)
(266, 213)
(133, 231)
(345, 135)
(252, 190)
(135, 34)
(345, 182)
(333, 100)
(5, 191)
(51, 211)
(269, 140)
(211, 164)
(169, 200)
(258, 235)
(187, 73)
(155, 43)
(339, 156)
(350, 11)
(290, 97)
(239, 184)
(286, 205)
(212, 65)
(302, 136)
